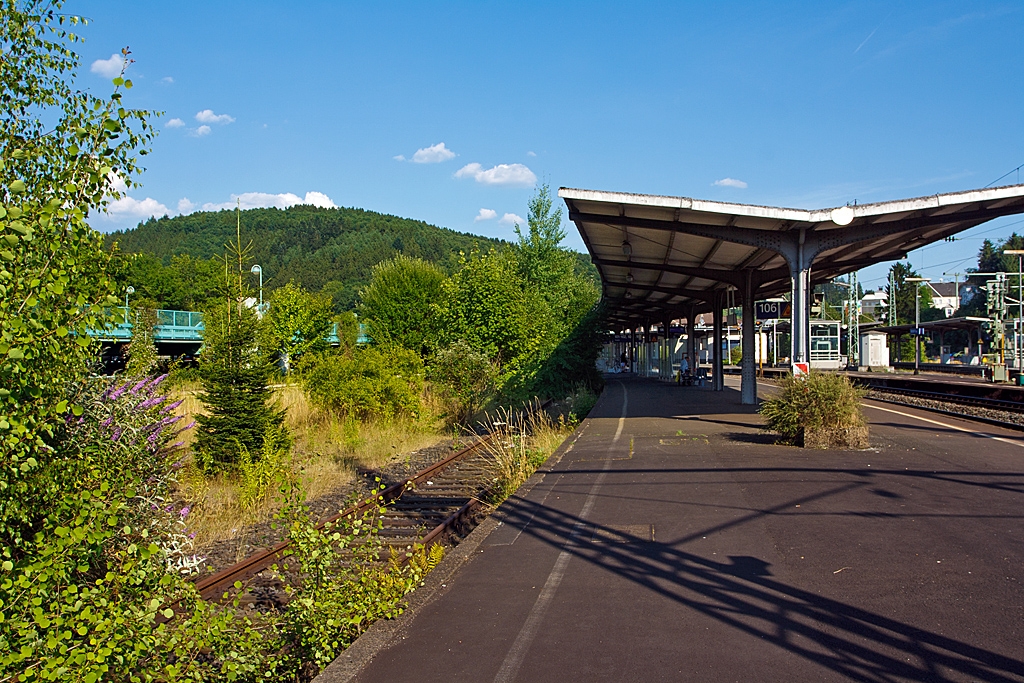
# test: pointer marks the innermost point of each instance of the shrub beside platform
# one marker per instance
(820, 410)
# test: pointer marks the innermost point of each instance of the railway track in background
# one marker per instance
(420, 510)
(977, 394)
(993, 404)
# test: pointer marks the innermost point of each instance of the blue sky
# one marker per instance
(796, 104)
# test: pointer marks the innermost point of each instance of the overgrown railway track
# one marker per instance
(420, 510)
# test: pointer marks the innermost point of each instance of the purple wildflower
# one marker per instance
(192, 535)
(184, 512)
(167, 421)
(178, 465)
(138, 387)
(116, 435)
(156, 381)
(171, 406)
(190, 425)
(109, 421)
(169, 508)
(117, 392)
(149, 403)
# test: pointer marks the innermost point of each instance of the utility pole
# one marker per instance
(1019, 253)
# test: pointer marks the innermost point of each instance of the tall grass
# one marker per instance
(327, 451)
(521, 440)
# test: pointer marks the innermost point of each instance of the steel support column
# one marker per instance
(717, 366)
(748, 369)
(800, 327)
(632, 351)
(691, 340)
(667, 345)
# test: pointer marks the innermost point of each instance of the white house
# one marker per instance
(874, 304)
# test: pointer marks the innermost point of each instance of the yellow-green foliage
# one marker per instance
(369, 382)
(258, 476)
(819, 411)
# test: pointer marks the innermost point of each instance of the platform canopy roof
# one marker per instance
(942, 325)
(662, 257)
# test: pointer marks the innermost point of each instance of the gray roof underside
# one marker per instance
(673, 269)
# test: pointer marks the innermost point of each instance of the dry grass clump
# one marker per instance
(327, 450)
(819, 411)
(520, 442)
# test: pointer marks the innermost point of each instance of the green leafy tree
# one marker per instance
(906, 293)
(543, 262)
(465, 377)
(486, 303)
(59, 148)
(298, 322)
(400, 303)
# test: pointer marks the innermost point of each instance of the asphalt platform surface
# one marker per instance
(675, 542)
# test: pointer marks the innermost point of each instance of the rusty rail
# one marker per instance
(213, 586)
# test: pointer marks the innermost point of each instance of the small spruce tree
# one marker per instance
(234, 369)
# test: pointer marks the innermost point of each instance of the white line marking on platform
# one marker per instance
(944, 424)
(517, 653)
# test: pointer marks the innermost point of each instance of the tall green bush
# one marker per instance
(297, 322)
(142, 353)
(464, 376)
(366, 383)
(821, 410)
(400, 303)
(59, 147)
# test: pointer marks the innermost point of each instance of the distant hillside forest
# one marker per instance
(322, 250)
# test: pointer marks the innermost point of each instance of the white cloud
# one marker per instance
(434, 154)
(400, 157)
(128, 207)
(167, 79)
(531, 154)
(485, 215)
(207, 116)
(186, 206)
(116, 183)
(319, 199)
(503, 174)
(174, 123)
(263, 200)
(200, 131)
(125, 207)
(109, 68)
(730, 182)
(512, 219)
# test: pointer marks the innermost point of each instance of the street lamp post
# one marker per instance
(257, 270)
(130, 290)
(917, 320)
(1017, 347)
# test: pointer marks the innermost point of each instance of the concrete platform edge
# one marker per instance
(382, 633)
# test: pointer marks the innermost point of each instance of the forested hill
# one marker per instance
(320, 249)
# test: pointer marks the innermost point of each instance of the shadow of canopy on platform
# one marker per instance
(662, 257)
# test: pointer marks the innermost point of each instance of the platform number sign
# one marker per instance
(801, 369)
(773, 310)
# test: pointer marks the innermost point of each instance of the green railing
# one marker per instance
(181, 326)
